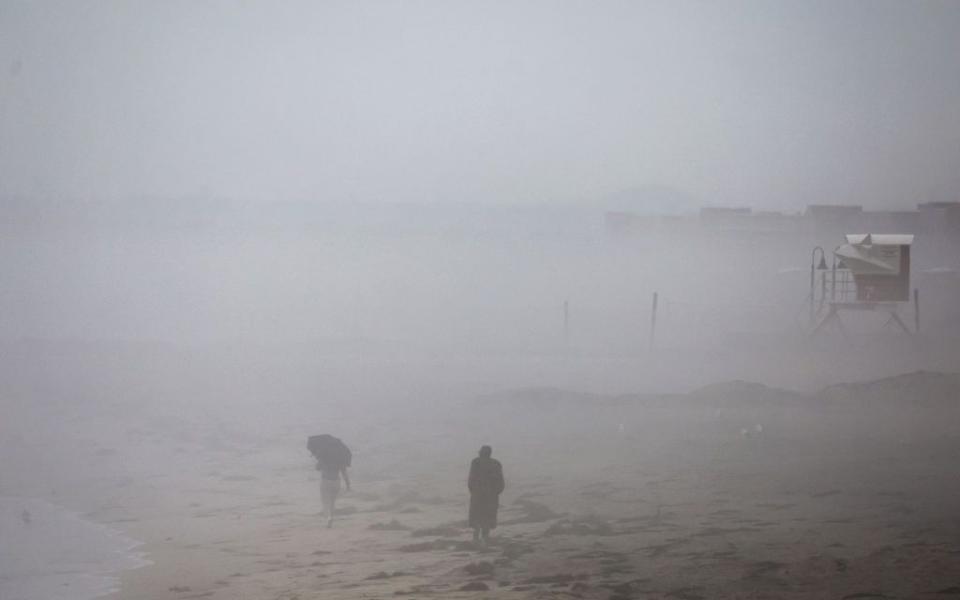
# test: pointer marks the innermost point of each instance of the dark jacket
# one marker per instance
(485, 484)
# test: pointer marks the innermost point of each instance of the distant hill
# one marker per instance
(743, 393)
(920, 388)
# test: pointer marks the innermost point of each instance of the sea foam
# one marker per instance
(50, 553)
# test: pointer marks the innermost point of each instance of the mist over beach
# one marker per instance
(690, 270)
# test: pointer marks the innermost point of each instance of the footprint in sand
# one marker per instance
(953, 590)
(689, 593)
(385, 575)
(474, 586)
(580, 527)
(561, 578)
(392, 525)
(775, 505)
(657, 550)
(534, 512)
(623, 590)
(448, 530)
(763, 568)
(825, 494)
(479, 568)
(725, 512)
(441, 544)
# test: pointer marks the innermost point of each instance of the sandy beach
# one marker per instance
(735, 491)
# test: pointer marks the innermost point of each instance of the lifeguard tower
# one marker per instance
(871, 272)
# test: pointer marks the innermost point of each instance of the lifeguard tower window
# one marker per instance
(880, 265)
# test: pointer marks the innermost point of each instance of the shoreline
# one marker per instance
(53, 552)
(637, 494)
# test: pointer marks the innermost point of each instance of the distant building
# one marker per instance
(940, 217)
(819, 224)
(891, 221)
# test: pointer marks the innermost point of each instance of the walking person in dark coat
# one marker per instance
(485, 484)
(333, 458)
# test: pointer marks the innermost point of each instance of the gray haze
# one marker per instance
(427, 226)
(768, 104)
(428, 181)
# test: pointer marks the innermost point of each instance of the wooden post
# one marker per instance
(833, 281)
(653, 320)
(916, 310)
(823, 289)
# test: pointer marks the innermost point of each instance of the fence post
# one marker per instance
(653, 320)
(916, 310)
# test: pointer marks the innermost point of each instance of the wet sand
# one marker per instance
(608, 498)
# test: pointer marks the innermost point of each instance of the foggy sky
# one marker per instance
(769, 104)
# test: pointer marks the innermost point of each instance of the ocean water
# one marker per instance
(49, 553)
